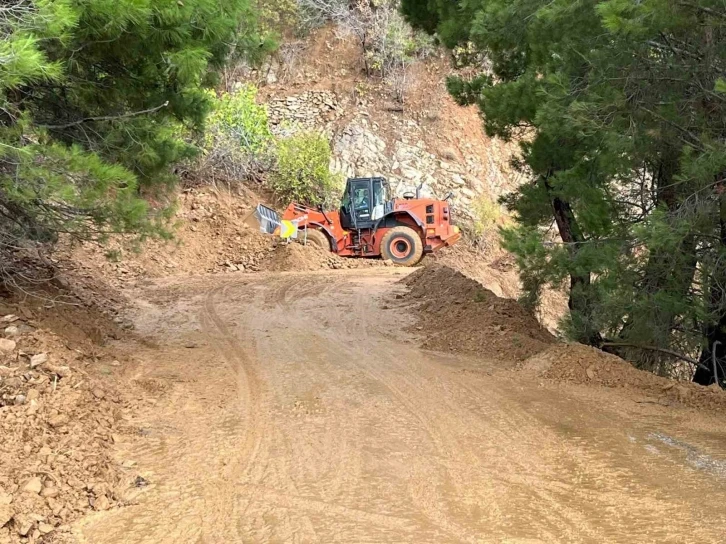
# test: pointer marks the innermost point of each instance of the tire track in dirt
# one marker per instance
(313, 420)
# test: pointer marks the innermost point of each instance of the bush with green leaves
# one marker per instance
(303, 172)
(94, 99)
(237, 141)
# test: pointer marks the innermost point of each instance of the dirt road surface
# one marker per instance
(295, 408)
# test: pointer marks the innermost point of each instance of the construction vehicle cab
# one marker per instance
(370, 223)
(364, 202)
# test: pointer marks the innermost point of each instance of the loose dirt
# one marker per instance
(575, 363)
(59, 418)
(213, 235)
(459, 315)
(298, 407)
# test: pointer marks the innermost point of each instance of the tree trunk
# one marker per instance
(579, 301)
(668, 272)
(715, 331)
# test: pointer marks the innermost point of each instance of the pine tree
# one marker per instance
(95, 96)
(621, 110)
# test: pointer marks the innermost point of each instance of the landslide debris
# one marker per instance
(458, 314)
(215, 235)
(58, 422)
(580, 364)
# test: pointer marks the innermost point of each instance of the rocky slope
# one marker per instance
(427, 139)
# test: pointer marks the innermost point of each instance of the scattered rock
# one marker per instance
(98, 393)
(58, 420)
(23, 524)
(101, 503)
(7, 345)
(60, 371)
(45, 528)
(12, 330)
(50, 491)
(6, 514)
(38, 359)
(34, 486)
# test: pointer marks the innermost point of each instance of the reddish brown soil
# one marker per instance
(576, 363)
(213, 235)
(60, 414)
(458, 314)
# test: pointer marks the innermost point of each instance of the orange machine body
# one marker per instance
(429, 218)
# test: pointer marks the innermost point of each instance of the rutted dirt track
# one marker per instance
(294, 408)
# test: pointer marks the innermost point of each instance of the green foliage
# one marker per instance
(302, 173)
(619, 109)
(278, 16)
(96, 97)
(486, 215)
(238, 115)
(237, 141)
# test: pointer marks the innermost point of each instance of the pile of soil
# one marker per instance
(58, 423)
(576, 363)
(214, 236)
(460, 315)
(297, 257)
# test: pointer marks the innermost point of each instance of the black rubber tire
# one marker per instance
(315, 238)
(403, 246)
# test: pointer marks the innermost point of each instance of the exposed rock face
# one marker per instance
(311, 110)
(361, 149)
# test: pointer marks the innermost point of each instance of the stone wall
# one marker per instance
(311, 110)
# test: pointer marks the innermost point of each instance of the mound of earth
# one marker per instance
(460, 315)
(576, 363)
(214, 235)
(297, 257)
(58, 422)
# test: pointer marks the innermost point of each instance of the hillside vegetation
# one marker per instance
(621, 108)
(607, 121)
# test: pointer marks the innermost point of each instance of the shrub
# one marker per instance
(303, 174)
(481, 229)
(237, 143)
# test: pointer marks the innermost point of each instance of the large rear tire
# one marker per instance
(315, 238)
(403, 246)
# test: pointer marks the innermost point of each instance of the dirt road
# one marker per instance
(294, 408)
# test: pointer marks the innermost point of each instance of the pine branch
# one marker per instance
(105, 118)
(704, 9)
(661, 350)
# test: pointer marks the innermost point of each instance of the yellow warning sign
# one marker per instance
(287, 228)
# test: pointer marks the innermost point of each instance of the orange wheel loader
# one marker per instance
(370, 223)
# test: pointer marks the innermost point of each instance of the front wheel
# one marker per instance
(315, 238)
(403, 246)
